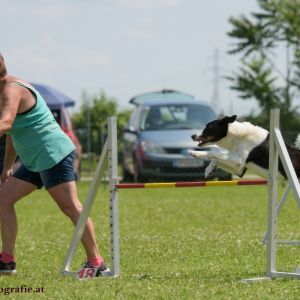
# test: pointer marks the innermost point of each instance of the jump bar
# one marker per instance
(189, 184)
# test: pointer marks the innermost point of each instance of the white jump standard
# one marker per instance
(109, 153)
(277, 149)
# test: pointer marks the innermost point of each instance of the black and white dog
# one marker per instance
(247, 147)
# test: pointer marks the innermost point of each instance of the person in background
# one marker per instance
(46, 154)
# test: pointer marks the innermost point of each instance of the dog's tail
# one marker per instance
(297, 142)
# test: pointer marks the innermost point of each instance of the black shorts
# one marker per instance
(60, 173)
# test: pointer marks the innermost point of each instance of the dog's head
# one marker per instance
(214, 131)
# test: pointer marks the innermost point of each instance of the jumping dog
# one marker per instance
(246, 145)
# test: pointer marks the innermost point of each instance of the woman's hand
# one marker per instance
(6, 173)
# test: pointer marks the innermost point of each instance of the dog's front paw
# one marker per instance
(208, 173)
(192, 153)
(198, 154)
(209, 169)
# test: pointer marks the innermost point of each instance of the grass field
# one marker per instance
(194, 243)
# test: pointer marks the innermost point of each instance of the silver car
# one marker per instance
(158, 136)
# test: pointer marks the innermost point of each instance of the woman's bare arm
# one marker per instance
(10, 100)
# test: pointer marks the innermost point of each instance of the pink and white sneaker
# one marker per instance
(89, 270)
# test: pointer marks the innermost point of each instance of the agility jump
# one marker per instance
(109, 154)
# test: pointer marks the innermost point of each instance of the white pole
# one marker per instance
(113, 198)
(273, 195)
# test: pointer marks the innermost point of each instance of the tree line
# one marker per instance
(91, 121)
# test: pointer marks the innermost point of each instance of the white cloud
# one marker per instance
(48, 9)
(54, 10)
(87, 60)
(147, 3)
(141, 29)
(145, 21)
(140, 33)
(54, 58)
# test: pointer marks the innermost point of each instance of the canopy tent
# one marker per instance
(54, 98)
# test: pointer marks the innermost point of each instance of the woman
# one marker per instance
(47, 156)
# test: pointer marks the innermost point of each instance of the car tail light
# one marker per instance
(140, 153)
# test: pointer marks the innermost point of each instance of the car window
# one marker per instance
(179, 116)
(132, 123)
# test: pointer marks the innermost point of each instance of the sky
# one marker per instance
(125, 47)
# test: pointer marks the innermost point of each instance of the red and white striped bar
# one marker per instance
(189, 184)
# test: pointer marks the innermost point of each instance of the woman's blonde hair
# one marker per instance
(3, 71)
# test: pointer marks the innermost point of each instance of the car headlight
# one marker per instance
(152, 147)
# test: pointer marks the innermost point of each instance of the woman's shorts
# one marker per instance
(60, 173)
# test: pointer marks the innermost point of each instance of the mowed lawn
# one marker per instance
(181, 243)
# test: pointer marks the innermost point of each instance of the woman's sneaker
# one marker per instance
(89, 270)
(7, 268)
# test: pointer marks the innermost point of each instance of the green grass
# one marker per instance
(192, 243)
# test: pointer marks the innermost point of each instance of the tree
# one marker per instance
(91, 121)
(273, 30)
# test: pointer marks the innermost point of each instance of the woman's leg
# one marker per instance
(12, 191)
(65, 195)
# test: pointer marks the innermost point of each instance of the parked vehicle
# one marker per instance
(158, 136)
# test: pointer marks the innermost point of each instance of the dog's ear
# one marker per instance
(232, 118)
(229, 119)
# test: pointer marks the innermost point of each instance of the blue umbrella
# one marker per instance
(54, 98)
